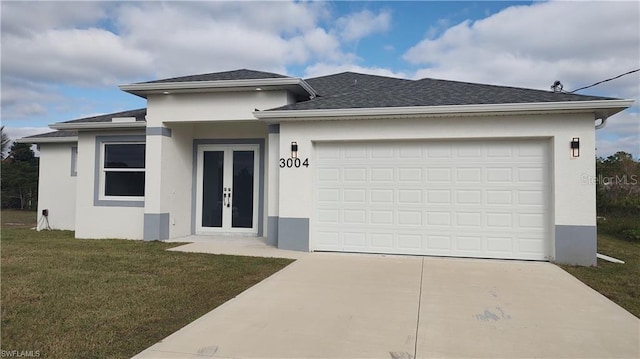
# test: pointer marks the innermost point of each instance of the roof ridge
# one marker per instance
(229, 74)
(132, 113)
(356, 73)
(504, 87)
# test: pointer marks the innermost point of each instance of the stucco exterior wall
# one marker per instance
(212, 106)
(57, 186)
(211, 132)
(178, 122)
(101, 221)
(169, 186)
(572, 200)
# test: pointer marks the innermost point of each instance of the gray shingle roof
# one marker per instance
(355, 90)
(374, 91)
(139, 114)
(346, 82)
(55, 134)
(242, 74)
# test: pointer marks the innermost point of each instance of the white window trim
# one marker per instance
(104, 170)
(99, 200)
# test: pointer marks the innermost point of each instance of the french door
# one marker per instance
(227, 189)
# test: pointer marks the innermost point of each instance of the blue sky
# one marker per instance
(62, 61)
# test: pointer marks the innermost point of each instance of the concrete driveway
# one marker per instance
(371, 306)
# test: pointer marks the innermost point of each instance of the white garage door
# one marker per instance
(484, 199)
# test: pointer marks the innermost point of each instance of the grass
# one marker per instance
(17, 219)
(618, 282)
(74, 298)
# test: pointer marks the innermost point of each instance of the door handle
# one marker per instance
(226, 197)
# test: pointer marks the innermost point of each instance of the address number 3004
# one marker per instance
(293, 162)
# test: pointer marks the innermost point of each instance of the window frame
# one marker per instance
(104, 170)
(74, 161)
(100, 199)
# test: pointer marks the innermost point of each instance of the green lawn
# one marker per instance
(74, 298)
(618, 282)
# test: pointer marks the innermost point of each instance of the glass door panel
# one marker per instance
(227, 189)
(243, 181)
(212, 188)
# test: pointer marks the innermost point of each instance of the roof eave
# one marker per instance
(143, 89)
(38, 140)
(602, 108)
(98, 125)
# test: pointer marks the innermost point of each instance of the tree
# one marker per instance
(618, 184)
(22, 152)
(6, 141)
(20, 178)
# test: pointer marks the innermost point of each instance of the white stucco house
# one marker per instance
(346, 162)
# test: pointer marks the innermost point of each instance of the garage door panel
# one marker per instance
(381, 217)
(437, 174)
(468, 197)
(469, 175)
(438, 219)
(329, 240)
(382, 241)
(382, 152)
(499, 220)
(328, 175)
(410, 241)
(355, 195)
(384, 174)
(354, 174)
(499, 175)
(531, 197)
(355, 153)
(439, 242)
(499, 197)
(457, 198)
(410, 152)
(354, 216)
(410, 175)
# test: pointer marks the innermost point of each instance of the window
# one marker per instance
(123, 169)
(74, 161)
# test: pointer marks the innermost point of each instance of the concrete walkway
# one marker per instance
(233, 245)
(371, 306)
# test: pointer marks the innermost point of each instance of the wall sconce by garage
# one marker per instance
(294, 149)
(575, 147)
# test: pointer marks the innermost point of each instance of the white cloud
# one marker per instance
(49, 45)
(535, 45)
(621, 133)
(112, 43)
(89, 57)
(18, 132)
(358, 25)
(28, 17)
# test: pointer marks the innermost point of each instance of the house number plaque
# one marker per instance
(293, 162)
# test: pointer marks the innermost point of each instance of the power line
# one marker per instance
(598, 83)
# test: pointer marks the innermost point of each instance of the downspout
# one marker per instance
(603, 122)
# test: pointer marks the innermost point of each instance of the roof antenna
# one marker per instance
(557, 86)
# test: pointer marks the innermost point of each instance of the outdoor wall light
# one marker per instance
(575, 147)
(294, 149)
